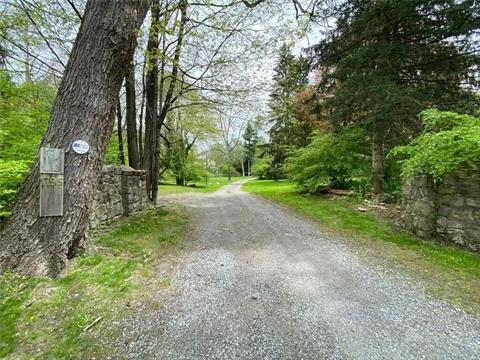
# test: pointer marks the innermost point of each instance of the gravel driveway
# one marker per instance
(258, 282)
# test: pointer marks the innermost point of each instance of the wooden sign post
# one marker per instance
(51, 181)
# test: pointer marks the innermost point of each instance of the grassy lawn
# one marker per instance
(452, 273)
(213, 185)
(49, 319)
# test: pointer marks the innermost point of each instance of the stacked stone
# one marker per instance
(449, 211)
(120, 192)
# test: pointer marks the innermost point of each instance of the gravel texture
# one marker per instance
(258, 282)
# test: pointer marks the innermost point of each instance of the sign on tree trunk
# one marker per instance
(51, 181)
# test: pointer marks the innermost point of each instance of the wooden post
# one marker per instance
(51, 181)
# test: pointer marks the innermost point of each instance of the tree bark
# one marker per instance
(151, 111)
(121, 154)
(84, 109)
(141, 120)
(131, 117)
(179, 181)
(378, 161)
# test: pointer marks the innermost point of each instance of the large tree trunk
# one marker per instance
(84, 109)
(131, 118)
(378, 161)
(151, 111)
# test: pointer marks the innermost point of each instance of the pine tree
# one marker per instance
(388, 60)
(250, 138)
(286, 133)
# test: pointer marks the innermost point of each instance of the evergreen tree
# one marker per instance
(286, 133)
(250, 142)
(388, 60)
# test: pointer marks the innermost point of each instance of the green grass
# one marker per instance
(213, 185)
(43, 318)
(451, 272)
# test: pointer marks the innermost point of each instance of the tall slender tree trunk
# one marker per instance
(229, 168)
(121, 154)
(141, 120)
(378, 158)
(84, 109)
(167, 102)
(243, 167)
(131, 117)
(151, 111)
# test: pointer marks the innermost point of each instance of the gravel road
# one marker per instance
(258, 282)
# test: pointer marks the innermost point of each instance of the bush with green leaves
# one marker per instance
(261, 167)
(11, 176)
(338, 160)
(195, 171)
(24, 112)
(449, 142)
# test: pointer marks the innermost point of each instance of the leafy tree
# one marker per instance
(184, 129)
(286, 133)
(388, 60)
(195, 171)
(449, 142)
(262, 166)
(337, 160)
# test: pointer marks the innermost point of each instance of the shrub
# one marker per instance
(448, 143)
(261, 167)
(338, 160)
(12, 174)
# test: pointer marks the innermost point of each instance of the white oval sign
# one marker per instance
(80, 147)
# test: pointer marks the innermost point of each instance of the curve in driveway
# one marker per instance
(258, 282)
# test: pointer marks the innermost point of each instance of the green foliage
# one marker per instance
(385, 61)
(24, 113)
(11, 176)
(225, 170)
(195, 171)
(250, 138)
(111, 154)
(381, 73)
(261, 167)
(287, 132)
(337, 160)
(449, 143)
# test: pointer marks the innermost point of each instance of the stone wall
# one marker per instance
(448, 211)
(120, 192)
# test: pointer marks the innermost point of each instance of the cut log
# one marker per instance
(340, 192)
